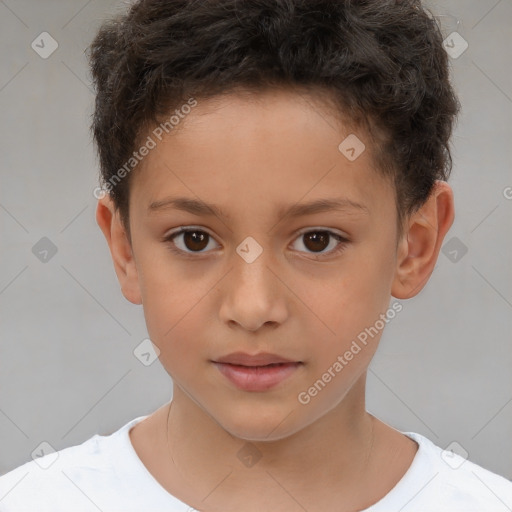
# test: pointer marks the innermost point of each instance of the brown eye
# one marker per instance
(189, 241)
(318, 241)
(195, 240)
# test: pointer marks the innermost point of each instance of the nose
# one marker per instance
(253, 295)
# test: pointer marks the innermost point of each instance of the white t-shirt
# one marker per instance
(105, 474)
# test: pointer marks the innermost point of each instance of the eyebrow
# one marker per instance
(297, 210)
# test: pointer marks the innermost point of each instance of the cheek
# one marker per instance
(171, 316)
(168, 300)
(347, 308)
(349, 299)
(175, 305)
(177, 328)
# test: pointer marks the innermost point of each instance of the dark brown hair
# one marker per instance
(380, 64)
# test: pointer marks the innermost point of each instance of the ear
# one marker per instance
(120, 248)
(421, 242)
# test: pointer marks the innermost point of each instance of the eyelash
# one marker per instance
(172, 246)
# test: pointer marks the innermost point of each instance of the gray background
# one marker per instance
(67, 335)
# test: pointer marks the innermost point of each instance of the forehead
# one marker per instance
(274, 147)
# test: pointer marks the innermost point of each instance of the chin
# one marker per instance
(258, 425)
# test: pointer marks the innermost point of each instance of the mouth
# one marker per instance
(257, 377)
(254, 360)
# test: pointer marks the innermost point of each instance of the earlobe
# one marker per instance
(112, 227)
(419, 248)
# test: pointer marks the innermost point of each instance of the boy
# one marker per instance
(275, 171)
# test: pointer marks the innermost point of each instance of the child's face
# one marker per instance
(253, 160)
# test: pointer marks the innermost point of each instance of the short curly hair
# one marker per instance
(379, 64)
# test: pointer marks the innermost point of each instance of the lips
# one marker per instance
(261, 359)
(259, 372)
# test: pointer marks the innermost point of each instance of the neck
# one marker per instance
(334, 451)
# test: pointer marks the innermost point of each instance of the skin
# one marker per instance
(328, 454)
